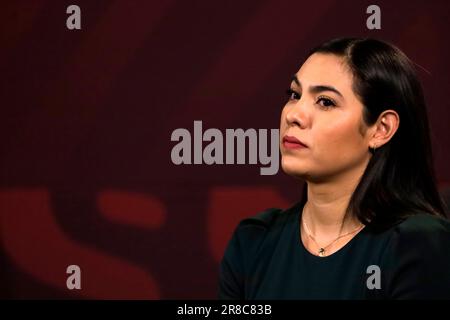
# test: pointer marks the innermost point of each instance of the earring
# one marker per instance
(372, 149)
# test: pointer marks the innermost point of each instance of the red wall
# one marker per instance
(86, 176)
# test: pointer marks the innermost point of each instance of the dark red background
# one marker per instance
(86, 118)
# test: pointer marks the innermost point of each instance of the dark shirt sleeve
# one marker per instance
(418, 259)
(231, 273)
(241, 252)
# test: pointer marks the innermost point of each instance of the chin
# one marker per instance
(294, 169)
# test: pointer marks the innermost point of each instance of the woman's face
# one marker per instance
(324, 114)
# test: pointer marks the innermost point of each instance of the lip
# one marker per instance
(291, 142)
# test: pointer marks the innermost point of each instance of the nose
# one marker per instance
(295, 115)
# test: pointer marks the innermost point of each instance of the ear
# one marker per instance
(384, 129)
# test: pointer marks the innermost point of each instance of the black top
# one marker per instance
(266, 259)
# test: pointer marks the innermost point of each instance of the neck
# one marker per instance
(325, 209)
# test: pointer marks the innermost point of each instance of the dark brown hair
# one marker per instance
(399, 180)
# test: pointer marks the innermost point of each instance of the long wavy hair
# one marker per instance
(399, 180)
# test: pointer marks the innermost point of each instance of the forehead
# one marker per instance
(326, 69)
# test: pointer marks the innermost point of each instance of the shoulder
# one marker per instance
(247, 240)
(423, 228)
(253, 230)
(266, 220)
(424, 223)
(424, 233)
(262, 220)
(418, 258)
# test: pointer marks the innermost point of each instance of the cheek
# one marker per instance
(283, 116)
(282, 122)
(338, 139)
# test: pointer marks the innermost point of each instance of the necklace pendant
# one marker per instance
(321, 252)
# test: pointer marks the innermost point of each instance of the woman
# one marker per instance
(371, 223)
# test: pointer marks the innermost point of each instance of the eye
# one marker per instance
(292, 95)
(326, 102)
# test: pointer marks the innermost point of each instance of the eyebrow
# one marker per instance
(318, 88)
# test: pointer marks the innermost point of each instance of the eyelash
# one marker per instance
(289, 93)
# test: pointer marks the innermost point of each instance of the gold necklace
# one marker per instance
(322, 249)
